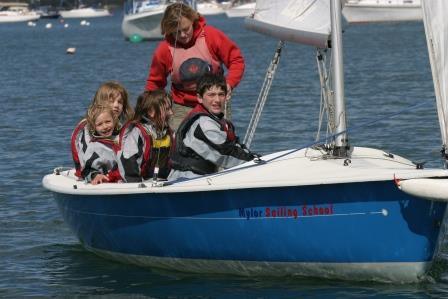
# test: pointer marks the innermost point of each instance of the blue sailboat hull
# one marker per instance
(351, 223)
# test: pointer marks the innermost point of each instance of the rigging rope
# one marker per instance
(322, 140)
(262, 97)
(326, 98)
(352, 129)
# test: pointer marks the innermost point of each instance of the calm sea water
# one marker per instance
(44, 92)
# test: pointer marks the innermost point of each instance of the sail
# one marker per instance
(436, 28)
(300, 21)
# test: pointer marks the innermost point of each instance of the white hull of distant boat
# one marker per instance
(382, 11)
(87, 12)
(209, 8)
(145, 24)
(13, 17)
(241, 11)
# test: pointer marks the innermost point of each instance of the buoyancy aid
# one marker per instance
(155, 152)
(93, 154)
(185, 159)
(78, 139)
(189, 64)
(100, 158)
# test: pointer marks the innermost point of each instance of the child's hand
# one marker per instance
(100, 178)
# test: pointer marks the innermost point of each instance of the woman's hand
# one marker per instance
(100, 178)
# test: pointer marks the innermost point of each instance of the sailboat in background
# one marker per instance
(81, 11)
(209, 7)
(141, 19)
(328, 210)
(16, 12)
(370, 11)
(240, 9)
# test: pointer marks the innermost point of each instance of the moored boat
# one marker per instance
(370, 11)
(79, 10)
(142, 19)
(209, 7)
(11, 12)
(241, 10)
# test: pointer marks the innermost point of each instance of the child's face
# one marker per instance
(116, 103)
(104, 124)
(213, 100)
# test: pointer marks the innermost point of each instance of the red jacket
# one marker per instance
(220, 47)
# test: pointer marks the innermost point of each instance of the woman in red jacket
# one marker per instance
(190, 49)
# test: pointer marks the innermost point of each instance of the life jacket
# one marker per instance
(189, 64)
(155, 152)
(100, 157)
(73, 140)
(185, 159)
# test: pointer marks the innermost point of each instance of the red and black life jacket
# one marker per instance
(185, 159)
(155, 151)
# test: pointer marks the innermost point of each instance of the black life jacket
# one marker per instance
(184, 158)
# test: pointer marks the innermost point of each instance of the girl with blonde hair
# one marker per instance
(98, 164)
(113, 95)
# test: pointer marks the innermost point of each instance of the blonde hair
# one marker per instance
(173, 14)
(106, 91)
(96, 110)
(158, 101)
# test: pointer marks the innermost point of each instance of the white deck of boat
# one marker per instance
(299, 168)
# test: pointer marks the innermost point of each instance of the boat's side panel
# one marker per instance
(344, 223)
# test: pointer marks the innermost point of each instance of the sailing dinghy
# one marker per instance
(330, 210)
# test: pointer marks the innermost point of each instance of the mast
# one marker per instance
(341, 140)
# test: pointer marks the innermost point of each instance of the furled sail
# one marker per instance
(436, 28)
(300, 21)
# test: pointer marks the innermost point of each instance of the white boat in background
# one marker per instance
(141, 19)
(16, 12)
(208, 8)
(241, 10)
(82, 11)
(371, 11)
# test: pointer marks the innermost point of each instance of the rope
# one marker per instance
(311, 144)
(353, 129)
(325, 94)
(262, 97)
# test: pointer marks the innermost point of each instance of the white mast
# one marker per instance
(341, 142)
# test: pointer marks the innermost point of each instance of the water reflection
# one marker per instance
(69, 270)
